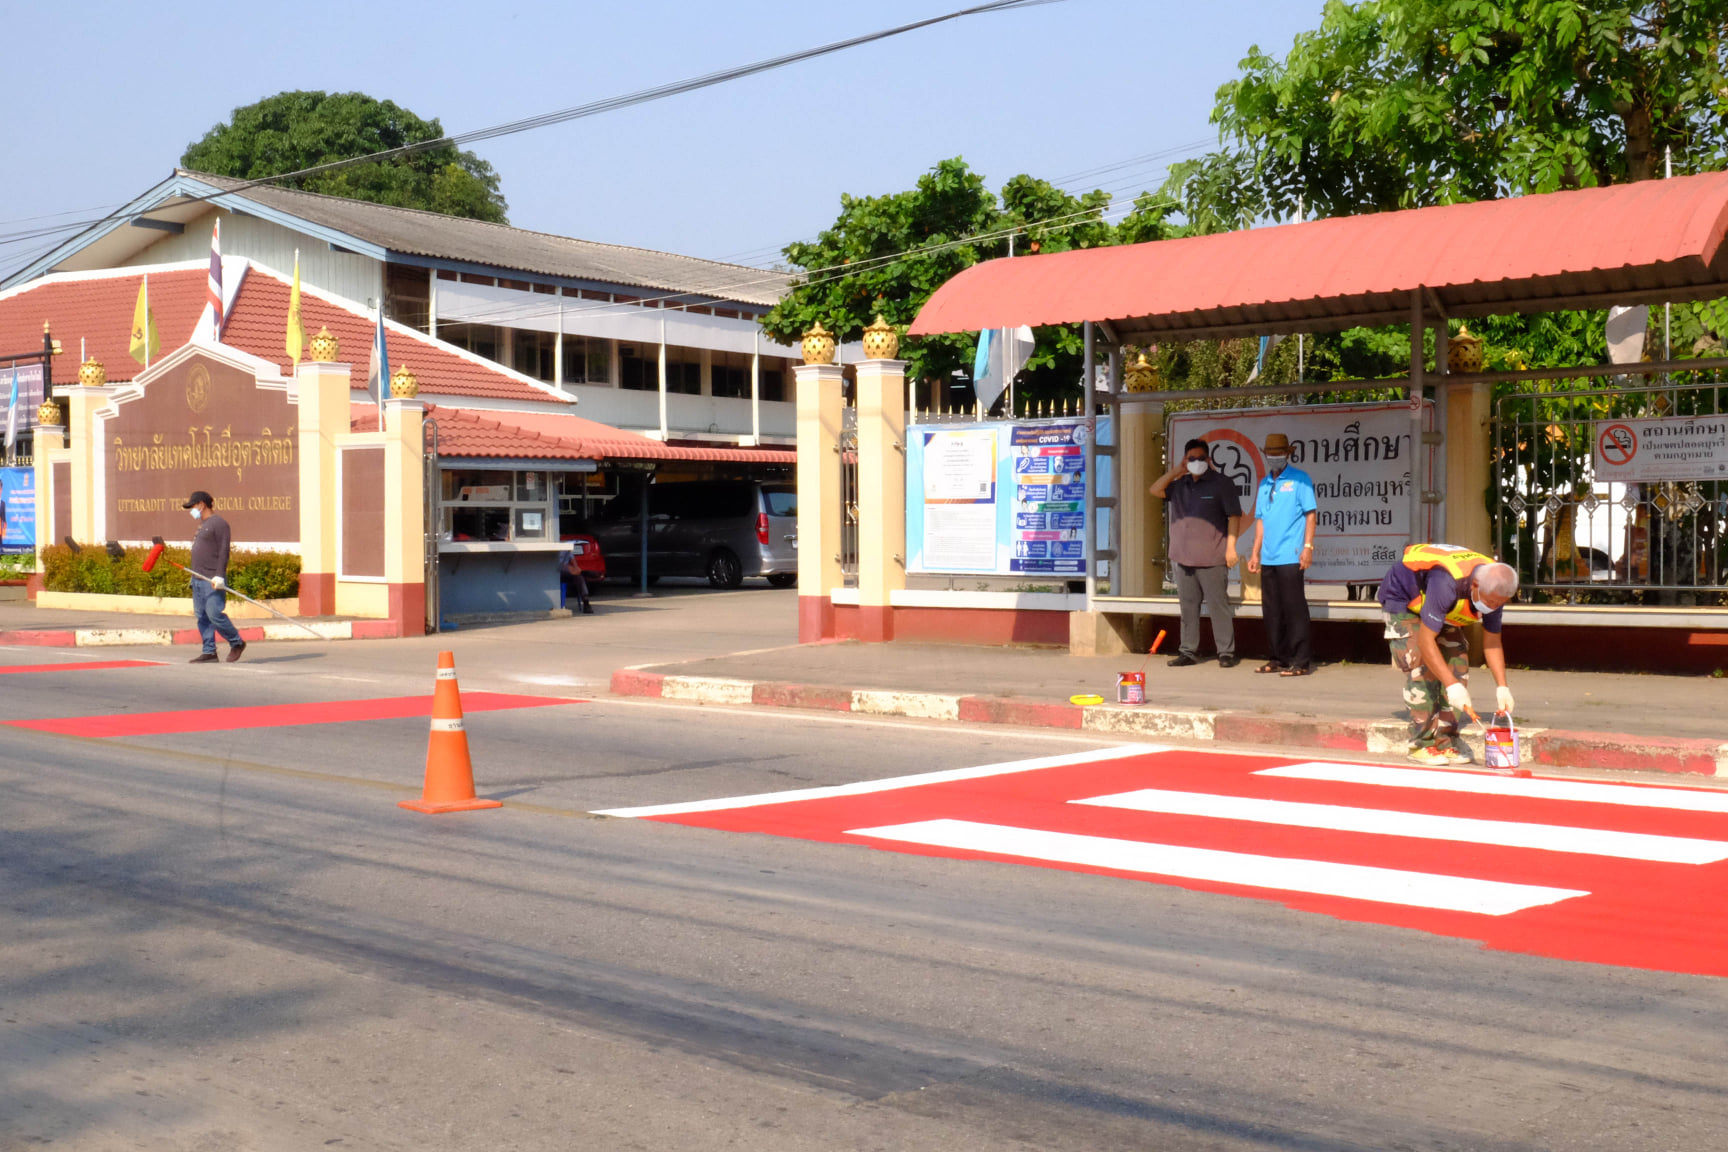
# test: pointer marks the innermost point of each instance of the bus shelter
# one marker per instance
(1502, 481)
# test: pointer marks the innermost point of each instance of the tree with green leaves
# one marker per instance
(887, 254)
(296, 130)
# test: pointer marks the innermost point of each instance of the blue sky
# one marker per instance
(105, 109)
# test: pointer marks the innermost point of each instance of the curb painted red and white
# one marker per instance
(1553, 747)
(129, 637)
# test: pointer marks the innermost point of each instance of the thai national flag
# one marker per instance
(215, 298)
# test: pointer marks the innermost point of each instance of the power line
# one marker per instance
(581, 111)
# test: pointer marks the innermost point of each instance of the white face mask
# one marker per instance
(197, 513)
(1276, 463)
(1196, 467)
(1480, 607)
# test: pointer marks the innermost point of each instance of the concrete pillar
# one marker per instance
(1468, 470)
(881, 493)
(1141, 459)
(321, 391)
(49, 442)
(81, 437)
(405, 513)
(819, 408)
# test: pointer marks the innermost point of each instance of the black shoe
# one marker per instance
(1184, 661)
(587, 609)
(234, 650)
(1229, 661)
(203, 658)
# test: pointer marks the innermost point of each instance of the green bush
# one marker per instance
(260, 575)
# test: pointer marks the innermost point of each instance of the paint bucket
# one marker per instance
(1500, 746)
(1131, 688)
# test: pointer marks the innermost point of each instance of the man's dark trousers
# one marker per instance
(1284, 601)
(207, 608)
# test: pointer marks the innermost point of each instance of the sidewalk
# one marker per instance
(1567, 719)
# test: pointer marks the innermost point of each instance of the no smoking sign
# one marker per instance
(1617, 444)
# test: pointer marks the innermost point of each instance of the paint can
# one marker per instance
(1131, 688)
(1500, 745)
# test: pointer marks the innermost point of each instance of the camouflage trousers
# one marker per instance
(1431, 719)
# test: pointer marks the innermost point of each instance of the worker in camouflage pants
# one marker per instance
(1434, 723)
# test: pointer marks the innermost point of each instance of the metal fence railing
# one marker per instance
(1578, 537)
(849, 495)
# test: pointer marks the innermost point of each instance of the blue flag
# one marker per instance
(378, 372)
(12, 413)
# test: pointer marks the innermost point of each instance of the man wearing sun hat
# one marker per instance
(1284, 518)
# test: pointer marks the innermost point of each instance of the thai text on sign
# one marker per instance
(1673, 448)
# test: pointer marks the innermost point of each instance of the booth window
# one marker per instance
(498, 505)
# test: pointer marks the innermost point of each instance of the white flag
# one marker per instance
(1625, 334)
(1001, 355)
(12, 414)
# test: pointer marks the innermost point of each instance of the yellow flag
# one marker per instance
(145, 342)
(296, 331)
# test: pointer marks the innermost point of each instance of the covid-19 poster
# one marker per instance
(1000, 498)
(18, 509)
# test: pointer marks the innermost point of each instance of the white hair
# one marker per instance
(1497, 580)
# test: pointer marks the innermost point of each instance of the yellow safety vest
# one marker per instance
(1459, 562)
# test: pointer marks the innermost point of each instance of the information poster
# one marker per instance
(1049, 533)
(18, 509)
(1676, 448)
(959, 492)
(1359, 457)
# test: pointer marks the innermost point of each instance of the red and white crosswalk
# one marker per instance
(1618, 873)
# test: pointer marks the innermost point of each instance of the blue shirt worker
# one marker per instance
(210, 548)
(1205, 520)
(1427, 598)
(1284, 517)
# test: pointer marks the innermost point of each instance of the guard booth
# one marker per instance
(1526, 465)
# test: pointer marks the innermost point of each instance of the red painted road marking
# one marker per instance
(74, 667)
(276, 715)
(1599, 872)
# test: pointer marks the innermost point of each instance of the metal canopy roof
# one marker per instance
(1653, 241)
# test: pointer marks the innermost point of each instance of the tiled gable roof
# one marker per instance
(97, 310)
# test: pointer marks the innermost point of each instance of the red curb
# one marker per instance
(1635, 753)
(375, 630)
(775, 694)
(626, 682)
(1301, 731)
(41, 639)
(1012, 710)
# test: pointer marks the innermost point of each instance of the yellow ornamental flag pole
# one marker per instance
(296, 330)
(145, 342)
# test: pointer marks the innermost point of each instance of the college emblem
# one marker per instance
(198, 388)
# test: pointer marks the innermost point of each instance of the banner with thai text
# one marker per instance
(1671, 448)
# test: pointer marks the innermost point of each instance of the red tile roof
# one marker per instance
(98, 311)
(468, 432)
(259, 320)
(1651, 240)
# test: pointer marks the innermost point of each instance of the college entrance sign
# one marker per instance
(202, 423)
(1360, 459)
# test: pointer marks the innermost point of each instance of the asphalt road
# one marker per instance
(233, 939)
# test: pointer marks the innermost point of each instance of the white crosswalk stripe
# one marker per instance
(1319, 877)
(1382, 822)
(1624, 795)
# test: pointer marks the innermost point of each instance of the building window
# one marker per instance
(587, 360)
(407, 296)
(534, 353)
(480, 339)
(773, 384)
(498, 506)
(642, 372)
(729, 374)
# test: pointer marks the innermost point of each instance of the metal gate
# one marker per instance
(848, 449)
(434, 487)
(1577, 539)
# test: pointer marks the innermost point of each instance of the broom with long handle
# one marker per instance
(156, 546)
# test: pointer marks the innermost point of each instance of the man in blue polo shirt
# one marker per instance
(1284, 516)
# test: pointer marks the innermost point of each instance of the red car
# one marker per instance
(588, 557)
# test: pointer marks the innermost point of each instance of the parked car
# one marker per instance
(725, 530)
(589, 556)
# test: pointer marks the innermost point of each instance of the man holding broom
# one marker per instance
(209, 597)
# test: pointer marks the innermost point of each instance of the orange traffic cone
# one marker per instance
(449, 783)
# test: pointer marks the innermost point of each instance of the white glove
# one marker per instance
(1458, 696)
(218, 583)
(1503, 699)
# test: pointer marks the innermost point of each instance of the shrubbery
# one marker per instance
(260, 575)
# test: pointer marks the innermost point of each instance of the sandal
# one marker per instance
(1309, 671)
(1268, 667)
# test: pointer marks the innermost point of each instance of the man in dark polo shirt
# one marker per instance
(1205, 519)
(209, 596)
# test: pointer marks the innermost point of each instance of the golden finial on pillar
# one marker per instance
(881, 340)
(48, 415)
(91, 374)
(1142, 375)
(323, 348)
(818, 345)
(1464, 352)
(404, 385)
